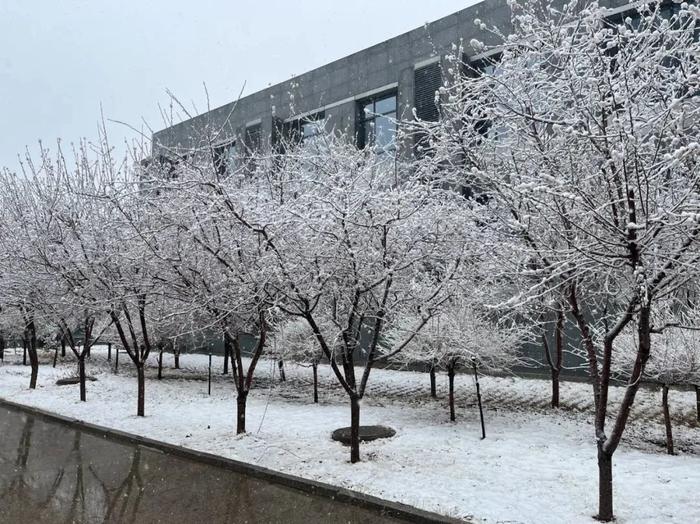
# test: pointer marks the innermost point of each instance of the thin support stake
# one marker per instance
(210, 373)
(478, 398)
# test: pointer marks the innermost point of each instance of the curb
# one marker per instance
(383, 507)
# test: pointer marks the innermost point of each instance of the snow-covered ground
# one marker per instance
(536, 466)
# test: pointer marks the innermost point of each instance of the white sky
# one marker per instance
(61, 59)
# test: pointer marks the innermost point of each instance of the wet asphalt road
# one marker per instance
(52, 473)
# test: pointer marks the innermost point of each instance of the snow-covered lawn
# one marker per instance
(534, 467)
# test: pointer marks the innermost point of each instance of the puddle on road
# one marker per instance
(51, 473)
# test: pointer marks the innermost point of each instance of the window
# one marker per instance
(485, 66)
(377, 123)
(312, 127)
(427, 82)
(305, 130)
(253, 135)
(226, 158)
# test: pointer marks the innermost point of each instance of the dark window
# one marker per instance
(377, 122)
(226, 158)
(253, 136)
(305, 130)
(427, 82)
(485, 66)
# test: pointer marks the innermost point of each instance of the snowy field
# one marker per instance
(536, 466)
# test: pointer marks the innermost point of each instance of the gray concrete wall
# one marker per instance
(335, 86)
(341, 81)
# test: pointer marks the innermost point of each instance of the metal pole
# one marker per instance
(478, 398)
(210, 373)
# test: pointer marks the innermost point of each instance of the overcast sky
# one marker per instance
(61, 59)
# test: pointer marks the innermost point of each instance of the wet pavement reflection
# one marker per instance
(51, 473)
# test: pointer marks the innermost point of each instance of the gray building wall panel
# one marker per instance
(388, 62)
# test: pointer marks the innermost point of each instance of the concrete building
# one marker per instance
(361, 95)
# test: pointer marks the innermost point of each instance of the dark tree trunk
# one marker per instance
(354, 429)
(109, 352)
(141, 400)
(63, 346)
(227, 352)
(555, 364)
(33, 357)
(433, 384)
(280, 365)
(555, 388)
(240, 411)
(24, 351)
(55, 357)
(160, 365)
(667, 419)
(177, 359)
(697, 401)
(451, 377)
(34, 361)
(81, 376)
(2, 348)
(315, 368)
(605, 486)
(478, 399)
(116, 360)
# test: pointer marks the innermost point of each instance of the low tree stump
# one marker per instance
(367, 434)
(69, 381)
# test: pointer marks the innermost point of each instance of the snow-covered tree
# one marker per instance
(295, 341)
(357, 242)
(581, 132)
(676, 358)
(463, 335)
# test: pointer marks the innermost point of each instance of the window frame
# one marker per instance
(222, 157)
(365, 117)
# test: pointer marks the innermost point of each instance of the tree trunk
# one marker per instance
(283, 376)
(433, 385)
(354, 429)
(451, 376)
(141, 400)
(555, 388)
(116, 360)
(34, 361)
(697, 401)
(315, 368)
(177, 359)
(109, 351)
(55, 357)
(81, 376)
(605, 486)
(240, 413)
(63, 346)
(24, 351)
(160, 365)
(227, 351)
(667, 420)
(30, 347)
(2, 347)
(559, 348)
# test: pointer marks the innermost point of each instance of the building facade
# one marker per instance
(362, 95)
